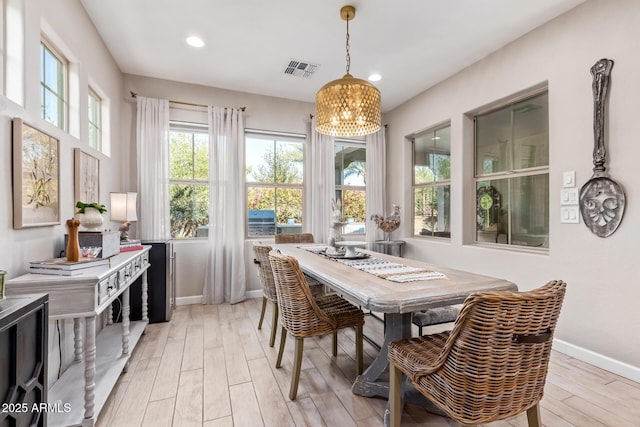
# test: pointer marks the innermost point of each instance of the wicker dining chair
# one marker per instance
(306, 317)
(294, 238)
(302, 238)
(493, 363)
(261, 254)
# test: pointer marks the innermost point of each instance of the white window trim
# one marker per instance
(65, 82)
(189, 127)
(357, 144)
(98, 125)
(508, 174)
(433, 184)
(274, 136)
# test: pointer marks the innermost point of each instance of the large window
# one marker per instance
(512, 173)
(274, 180)
(95, 104)
(53, 82)
(350, 179)
(188, 181)
(432, 182)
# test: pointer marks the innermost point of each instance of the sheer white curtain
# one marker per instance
(376, 173)
(225, 275)
(321, 183)
(152, 148)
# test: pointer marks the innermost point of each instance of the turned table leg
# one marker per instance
(77, 339)
(126, 309)
(89, 368)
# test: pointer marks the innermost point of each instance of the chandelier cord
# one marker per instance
(348, 55)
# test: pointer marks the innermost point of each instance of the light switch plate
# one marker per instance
(569, 179)
(569, 215)
(569, 196)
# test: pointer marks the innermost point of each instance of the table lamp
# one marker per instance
(123, 208)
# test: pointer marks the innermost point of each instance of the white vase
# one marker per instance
(91, 219)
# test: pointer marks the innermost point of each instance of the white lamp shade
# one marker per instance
(123, 206)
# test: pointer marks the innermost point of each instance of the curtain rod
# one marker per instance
(135, 95)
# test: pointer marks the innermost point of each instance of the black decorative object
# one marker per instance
(602, 199)
(488, 206)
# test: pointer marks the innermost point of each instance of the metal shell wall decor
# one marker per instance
(602, 199)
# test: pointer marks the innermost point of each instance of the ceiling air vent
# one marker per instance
(299, 68)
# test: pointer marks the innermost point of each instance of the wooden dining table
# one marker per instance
(396, 300)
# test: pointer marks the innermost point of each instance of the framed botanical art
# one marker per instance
(36, 177)
(87, 177)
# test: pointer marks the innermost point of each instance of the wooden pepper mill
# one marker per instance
(73, 246)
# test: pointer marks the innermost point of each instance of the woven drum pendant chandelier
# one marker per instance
(348, 106)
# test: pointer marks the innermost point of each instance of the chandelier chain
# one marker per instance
(348, 55)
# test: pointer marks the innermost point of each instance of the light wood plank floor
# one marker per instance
(211, 366)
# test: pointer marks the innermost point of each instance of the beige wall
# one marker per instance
(600, 313)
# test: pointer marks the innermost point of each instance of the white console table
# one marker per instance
(105, 355)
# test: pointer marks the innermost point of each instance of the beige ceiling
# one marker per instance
(413, 44)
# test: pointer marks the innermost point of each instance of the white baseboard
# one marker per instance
(199, 299)
(195, 299)
(596, 359)
(254, 294)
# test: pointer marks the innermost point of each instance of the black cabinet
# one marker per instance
(23, 360)
(160, 278)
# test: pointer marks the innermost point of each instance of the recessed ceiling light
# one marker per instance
(374, 77)
(195, 41)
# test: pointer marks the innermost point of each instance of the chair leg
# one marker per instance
(264, 308)
(283, 337)
(395, 403)
(274, 325)
(335, 344)
(420, 331)
(359, 338)
(533, 416)
(297, 364)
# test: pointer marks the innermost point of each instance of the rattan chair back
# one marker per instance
(294, 238)
(300, 314)
(494, 362)
(265, 273)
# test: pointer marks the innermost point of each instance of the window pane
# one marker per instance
(188, 210)
(288, 210)
(261, 207)
(259, 159)
(51, 108)
(350, 165)
(93, 137)
(288, 162)
(531, 132)
(354, 211)
(432, 156)
(93, 109)
(432, 211)
(201, 156)
(514, 211)
(513, 137)
(181, 155)
(493, 133)
(52, 72)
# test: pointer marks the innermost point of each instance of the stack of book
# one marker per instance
(130, 245)
(62, 267)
